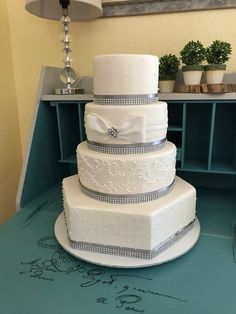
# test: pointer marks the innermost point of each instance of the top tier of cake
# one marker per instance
(125, 74)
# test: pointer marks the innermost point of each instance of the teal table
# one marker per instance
(38, 277)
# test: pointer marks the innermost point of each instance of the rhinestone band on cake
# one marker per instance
(130, 252)
(127, 198)
(139, 148)
(126, 100)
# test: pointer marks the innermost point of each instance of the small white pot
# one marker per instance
(215, 73)
(192, 74)
(166, 86)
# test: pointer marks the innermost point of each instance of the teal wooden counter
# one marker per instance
(38, 276)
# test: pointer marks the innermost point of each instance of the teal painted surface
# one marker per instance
(216, 210)
(43, 170)
(37, 276)
(50, 201)
(81, 119)
(198, 122)
(175, 128)
(212, 130)
(214, 180)
(52, 151)
(183, 135)
(179, 154)
(42, 278)
(70, 120)
(175, 114)
(224, 143)
(208, 142)
(67, 118)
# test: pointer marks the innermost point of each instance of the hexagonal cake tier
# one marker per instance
(133, 230)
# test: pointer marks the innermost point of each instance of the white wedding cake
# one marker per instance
(126, 199)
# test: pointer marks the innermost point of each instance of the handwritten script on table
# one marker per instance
(126, 296)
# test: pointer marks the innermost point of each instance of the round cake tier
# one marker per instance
(126, 174)
(125, 74)
(130, 124)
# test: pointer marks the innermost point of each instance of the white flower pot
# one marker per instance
(192, 74)
(214, 77)
(192, 77)
(166, 86)
(215, 73)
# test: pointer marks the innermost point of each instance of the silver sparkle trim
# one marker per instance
(68, 91)
(131, 252)
(126, 100)
(126, 149)
(127, 198)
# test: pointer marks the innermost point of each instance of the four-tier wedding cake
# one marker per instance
(126, 199)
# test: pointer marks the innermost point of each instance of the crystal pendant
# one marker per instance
(68, 76)
(66, 58)
(65, 37)
(65, 20)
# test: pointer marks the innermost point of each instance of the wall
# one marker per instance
(10, 150)
(35, 42)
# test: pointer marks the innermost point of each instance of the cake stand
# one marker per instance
(179, 248)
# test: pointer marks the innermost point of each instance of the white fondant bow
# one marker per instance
(130, 130)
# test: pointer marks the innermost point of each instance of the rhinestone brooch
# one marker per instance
(113, 132)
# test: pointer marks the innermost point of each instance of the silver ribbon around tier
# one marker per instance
(126, 149)
(131, 252)
(120, 100)
(127, 198)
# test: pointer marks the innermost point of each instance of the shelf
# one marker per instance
(175, 116)
(195, 164)
(177, 128)
(179, 97)
(205, 178)
(224, 139)
(70, 160)
(218, 167)
(68, 98)
(67, 117)
(179, 154)
(223, 166)
(197, 135)
(175, 137)
(71, 132)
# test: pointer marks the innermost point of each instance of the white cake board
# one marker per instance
(179, 248)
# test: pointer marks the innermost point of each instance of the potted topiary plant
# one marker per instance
(216, 56)
(192, 55)
(168, 69)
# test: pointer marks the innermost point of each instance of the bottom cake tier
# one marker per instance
(135, 230)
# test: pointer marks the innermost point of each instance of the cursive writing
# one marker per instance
(129, 292)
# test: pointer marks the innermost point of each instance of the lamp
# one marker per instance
(66, 10)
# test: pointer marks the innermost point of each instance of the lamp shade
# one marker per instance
(78, 9)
